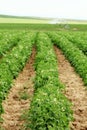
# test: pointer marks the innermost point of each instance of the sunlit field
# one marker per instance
(43, 72)
(19, 20)
(43, 65)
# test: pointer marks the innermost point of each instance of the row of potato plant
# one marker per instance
(9, 40)
(3, 34)
(13, 63)
(50, 109)
(73, 53)
(78, 40)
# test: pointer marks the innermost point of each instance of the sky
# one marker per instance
(73, 9)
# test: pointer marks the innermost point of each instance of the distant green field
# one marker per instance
(43, 27)
(41, 24)
(22, 20)
(77, 22)
(38, 20)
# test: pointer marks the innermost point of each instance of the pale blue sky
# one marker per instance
(76, 9)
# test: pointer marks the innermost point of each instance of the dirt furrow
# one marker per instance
(75, 91)
(19, 97)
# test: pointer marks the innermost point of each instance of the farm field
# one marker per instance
(43, 77)
(16, 19)
(21, 20)
(43, 27)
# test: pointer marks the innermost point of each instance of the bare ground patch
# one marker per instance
(75, 91)
(19, 97)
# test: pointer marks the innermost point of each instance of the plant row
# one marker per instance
(13, 63)
(50, 109)
(9, 41)
(73, 53)
(3, 34)
(78, 40)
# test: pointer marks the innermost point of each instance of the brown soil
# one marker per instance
(19, 97)
(75, 91)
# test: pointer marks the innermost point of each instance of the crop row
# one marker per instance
(78, 40)
(3, 34)
(50, 109)
(9, 41)
(73, 53)
(12, 63)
